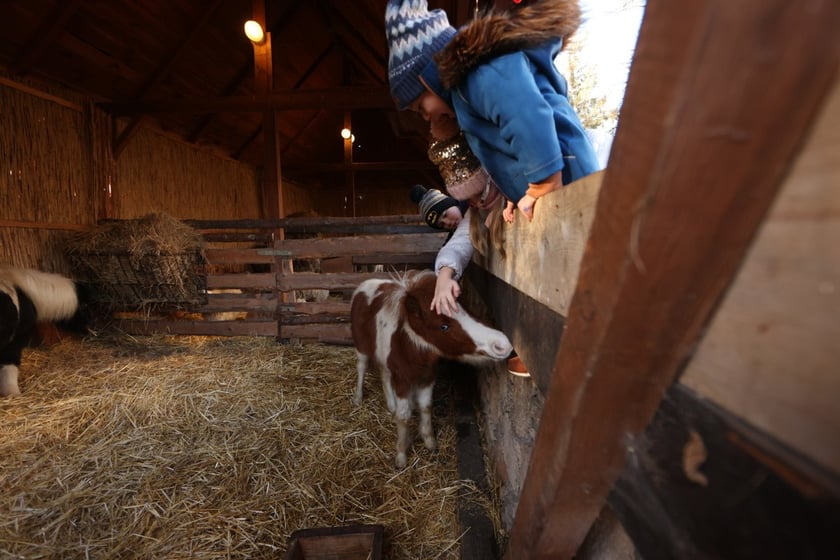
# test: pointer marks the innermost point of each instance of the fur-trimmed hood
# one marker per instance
(493, 33)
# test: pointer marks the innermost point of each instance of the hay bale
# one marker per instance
(146, 262)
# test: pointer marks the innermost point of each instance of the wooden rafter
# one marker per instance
(281, 20)
(51, 29)
(161, 72)
(357, 97)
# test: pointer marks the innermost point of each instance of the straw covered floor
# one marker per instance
(176, 447)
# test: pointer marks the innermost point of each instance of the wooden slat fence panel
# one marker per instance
(343, 250)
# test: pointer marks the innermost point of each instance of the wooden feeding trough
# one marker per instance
(355, 542)
(151, 261)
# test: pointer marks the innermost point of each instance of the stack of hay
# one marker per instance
(152, 261)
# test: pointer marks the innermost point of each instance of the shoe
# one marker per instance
(517, 367)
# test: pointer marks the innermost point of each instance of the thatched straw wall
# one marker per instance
(44, 176)
(179, 447)
(296, 198)
(156, 173)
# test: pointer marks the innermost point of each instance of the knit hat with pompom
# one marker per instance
(414, 36)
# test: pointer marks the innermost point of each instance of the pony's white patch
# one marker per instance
(489, 342)
(53, 295)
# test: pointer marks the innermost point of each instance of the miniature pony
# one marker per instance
(29, 297)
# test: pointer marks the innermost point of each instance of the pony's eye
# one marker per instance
(444, 327)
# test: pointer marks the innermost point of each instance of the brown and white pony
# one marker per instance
(394, 326)
(29, 297)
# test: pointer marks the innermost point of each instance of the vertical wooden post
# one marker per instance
(272, 181)
(350, 177)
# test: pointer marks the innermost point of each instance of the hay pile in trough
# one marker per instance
(154, 234)
(192, 447)
(153, 260)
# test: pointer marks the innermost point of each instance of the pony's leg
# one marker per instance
(424, 403)
(402, 416)
(9, 380)
(361, 368)
(388, 389)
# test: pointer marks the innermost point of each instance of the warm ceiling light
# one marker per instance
(345, 133)
(254, 31)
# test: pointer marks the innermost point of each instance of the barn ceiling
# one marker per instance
(185, 67)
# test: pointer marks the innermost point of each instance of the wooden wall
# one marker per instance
(771, 354)
(712, 253)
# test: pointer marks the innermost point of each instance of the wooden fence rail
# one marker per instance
(252, 293)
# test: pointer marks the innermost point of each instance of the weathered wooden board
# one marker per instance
(358, 245)
(326, 281)
(548, 249)
(691, 490)
(198, 328)
(259, 281)
(239, 302)
(519, 316)
(772, 352)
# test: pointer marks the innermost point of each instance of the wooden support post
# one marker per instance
(272, 182)
(349, 174)
(701, 150)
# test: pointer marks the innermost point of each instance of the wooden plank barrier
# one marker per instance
(247, 284)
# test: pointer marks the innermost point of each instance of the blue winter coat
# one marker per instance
(515, 113)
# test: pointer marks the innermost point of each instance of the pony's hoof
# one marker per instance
(430, 443)
(401, 461)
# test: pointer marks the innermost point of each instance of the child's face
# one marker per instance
(450, 218)
(437, 113)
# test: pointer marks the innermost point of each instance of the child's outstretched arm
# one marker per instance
(447, 291)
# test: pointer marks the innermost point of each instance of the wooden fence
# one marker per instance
(254, 290)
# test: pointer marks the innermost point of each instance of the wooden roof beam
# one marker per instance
(50, 30)
(361, 97)
(161, 72)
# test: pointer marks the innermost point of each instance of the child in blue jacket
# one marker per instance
(495, 81)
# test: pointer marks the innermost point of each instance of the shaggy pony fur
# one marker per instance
(29, 297)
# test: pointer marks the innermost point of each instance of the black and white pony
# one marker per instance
(29, 297)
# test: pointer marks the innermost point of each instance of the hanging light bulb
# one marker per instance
(254, 31)
(346, 134)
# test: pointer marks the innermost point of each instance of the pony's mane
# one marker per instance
(413, 278)
(53, 295)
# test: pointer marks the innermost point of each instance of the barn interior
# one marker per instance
(678, 310)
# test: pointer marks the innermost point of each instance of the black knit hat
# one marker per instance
(433, 204)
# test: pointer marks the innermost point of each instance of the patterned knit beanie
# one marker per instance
(433, 204)
(414, 36)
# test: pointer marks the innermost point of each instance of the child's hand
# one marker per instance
(447, 291)
(526, 206)
(509, 212)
